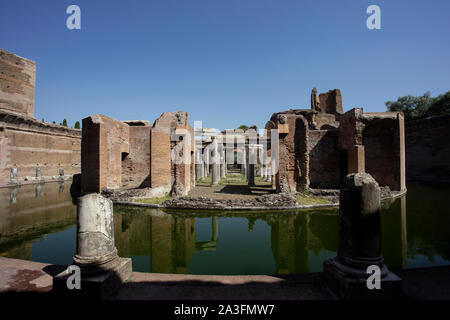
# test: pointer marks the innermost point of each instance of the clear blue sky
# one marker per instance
(226, 62)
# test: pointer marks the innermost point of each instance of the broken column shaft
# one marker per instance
(360, 243)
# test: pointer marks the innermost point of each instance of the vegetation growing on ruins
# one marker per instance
(156, 200)
(77, 125)
(305, 198)
(422, 106)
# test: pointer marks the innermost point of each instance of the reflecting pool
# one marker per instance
(37, 222)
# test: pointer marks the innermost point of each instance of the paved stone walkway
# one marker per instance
(26, 278)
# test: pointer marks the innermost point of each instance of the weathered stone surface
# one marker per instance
(102, 271)
(17, 84)
(265, 201)
(95, 236)
(27, 142)
(318, 147)
(360, 242)
(105, 143)
(178, 189)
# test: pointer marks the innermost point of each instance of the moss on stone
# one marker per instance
(156, 200)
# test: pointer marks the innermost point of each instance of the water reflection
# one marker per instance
(281, 243)
(31, 212)
(37, 222)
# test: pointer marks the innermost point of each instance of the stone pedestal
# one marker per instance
(360, 243)
(102, 271)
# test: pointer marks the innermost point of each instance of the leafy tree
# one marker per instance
(77, 125)
(54, 122)
(243, 127)
(64, 123)
(440, 105)
(412, 107)
(422, 106)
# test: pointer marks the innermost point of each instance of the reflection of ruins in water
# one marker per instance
(300, 241)
(29, 212)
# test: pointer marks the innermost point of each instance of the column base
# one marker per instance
(99, 285)
(350, 283)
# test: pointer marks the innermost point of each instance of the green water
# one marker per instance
(38, 223)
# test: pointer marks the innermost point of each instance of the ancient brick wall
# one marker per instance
(17, 84)
(105, 142)
(428, 149)
(324, 159)
(136, 164)
(331, 102)
(383, 139)
(160, 159)
(27, 143)
(176, 125)
(293, 151)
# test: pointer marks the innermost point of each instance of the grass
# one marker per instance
(231, 179)
(304, 198)
(156, 200)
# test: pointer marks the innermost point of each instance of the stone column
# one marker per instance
(251, 167)
(360, 243)
(199, 171)
(222, 162)
(215, 162)
(244, 163)
(102, 270)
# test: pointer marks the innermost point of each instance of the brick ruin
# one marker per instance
(319, 146)
(120, 155)
(428, 149)
(30, 150)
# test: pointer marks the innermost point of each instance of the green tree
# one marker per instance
(422, 106)
(64, 123)
(440, 105)
(77, 125)
(412, 107)
(243, 127)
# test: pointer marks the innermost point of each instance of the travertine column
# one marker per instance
(199, 171)
(222, 161)
(359, 242)
(215, 162)
(102, 271)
